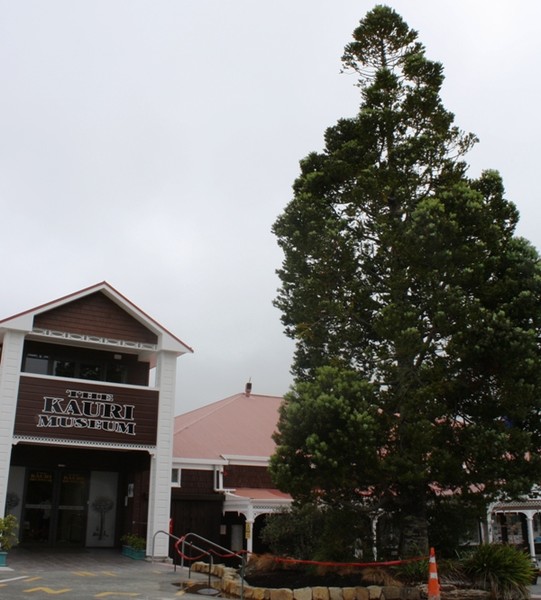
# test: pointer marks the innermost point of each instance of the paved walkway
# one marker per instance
(101, 574)
(93, 574)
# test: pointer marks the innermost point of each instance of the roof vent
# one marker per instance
(248, 389)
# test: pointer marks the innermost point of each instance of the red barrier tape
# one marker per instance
(186, 557)
(206, 553)
(387, 563)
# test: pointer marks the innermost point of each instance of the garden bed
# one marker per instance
(300, 578)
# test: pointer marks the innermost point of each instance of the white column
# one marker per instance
(490, 524)
(249, 534)
(249, 527)
(529, 522)
(374, 520)
(10, 368)
(159, 498)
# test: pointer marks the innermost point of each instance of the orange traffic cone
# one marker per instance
(433, 581)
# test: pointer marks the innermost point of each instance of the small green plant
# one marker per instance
(8, 529)
(415, 572)
(412, 572)
(504, 571)
(134, 541)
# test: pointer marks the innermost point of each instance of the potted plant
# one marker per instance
(8, 536)
(134, 546)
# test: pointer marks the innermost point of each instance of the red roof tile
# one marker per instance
(239, 425)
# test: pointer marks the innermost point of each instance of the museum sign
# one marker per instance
(86, 411)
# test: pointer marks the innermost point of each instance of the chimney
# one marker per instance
(248, 389)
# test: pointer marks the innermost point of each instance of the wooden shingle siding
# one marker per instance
(202, 516)
(238, 476)
(196, 482)
(95, 315)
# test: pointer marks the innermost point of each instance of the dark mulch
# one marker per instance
(290, 578)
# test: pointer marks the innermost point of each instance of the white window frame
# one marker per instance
(176, 477)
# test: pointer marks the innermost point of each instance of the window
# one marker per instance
(117, 373)
(64, 368)
(175, 477)
(36, 363)
(84, 363)
(90, 371)
(218, 478)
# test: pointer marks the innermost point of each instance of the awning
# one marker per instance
(252, 502)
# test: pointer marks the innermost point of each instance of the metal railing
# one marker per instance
(170, 535)
(212, 548)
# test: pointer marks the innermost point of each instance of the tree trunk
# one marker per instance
(414, 531)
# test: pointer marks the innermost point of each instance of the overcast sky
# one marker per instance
(153, 143)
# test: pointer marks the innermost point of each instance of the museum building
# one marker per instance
(90, 447)
(87, 397)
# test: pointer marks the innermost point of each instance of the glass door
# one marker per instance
(71, 508)
(55, 507)
(38, 506)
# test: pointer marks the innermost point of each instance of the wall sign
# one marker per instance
(93, 411)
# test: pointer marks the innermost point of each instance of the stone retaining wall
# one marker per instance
(230, 583)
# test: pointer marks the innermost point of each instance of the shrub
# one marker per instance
(415, 572)
(318, 532)
(8, 527)
(452, 522)
(504, 571)
(134, 541)
(412, 572)
(293, 532)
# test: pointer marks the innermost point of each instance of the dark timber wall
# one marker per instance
(95, 315)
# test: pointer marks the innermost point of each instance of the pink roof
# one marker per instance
(239, 425)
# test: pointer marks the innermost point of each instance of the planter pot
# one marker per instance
(132, 553)
(3, 559)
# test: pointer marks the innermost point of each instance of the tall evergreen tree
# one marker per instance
(415, 307)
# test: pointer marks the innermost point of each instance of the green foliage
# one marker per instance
(503, 570)
(134, 541)
(413, 305)
(416, 572)
(293, 533)
(412, 573)
(311, 532)
(320, 419)
(8, 532)
(451, 524)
